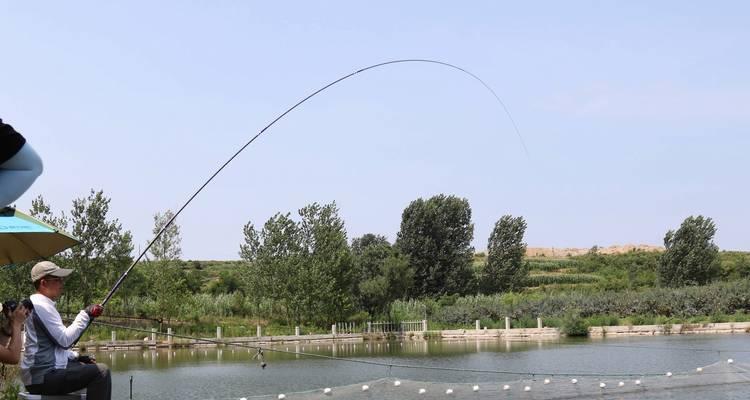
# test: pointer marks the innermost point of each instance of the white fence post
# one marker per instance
(258, 331)
(296, 331)
(507, 323)
(476, 325)
(218, 332)
(114, 336)
(153, 335)
(169, 335)
(539, 322)
(424, 325)
(333, 329)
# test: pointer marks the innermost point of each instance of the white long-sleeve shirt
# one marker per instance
(48, 341)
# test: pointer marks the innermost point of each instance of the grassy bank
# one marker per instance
(718, 302)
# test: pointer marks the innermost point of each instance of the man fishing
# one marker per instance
(49, 367)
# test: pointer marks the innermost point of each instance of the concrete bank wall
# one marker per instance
(453, 334)
(254, 340)
(505, 334)
(673, 329)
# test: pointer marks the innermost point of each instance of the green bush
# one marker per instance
(644, 305)
(550, 279)
(642, 320)
(8, 387)
(740, 316)
(492, 324)
(719, 317)
(574, 325)
(523, 322)
(603, 320)
(409, 310)
(549, 265)
(552, 322)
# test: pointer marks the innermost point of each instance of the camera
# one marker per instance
(10, 305)
(7, 309)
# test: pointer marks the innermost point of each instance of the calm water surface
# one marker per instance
(231, 373)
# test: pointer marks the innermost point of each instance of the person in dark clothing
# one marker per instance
(20, 165)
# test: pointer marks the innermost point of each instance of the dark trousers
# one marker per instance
(94, 377)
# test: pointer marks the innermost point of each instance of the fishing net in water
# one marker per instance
(718, 380)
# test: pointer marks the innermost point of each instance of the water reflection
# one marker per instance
(647, 353)
(231, 372)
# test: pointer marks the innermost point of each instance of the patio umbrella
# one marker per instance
(24, 238)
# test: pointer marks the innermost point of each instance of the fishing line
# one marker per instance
(664, 348)
(261, 349)
(282, 115)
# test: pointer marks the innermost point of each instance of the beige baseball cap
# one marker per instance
(48, 268)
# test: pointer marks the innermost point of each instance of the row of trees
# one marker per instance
(105, 252)
(311, 274)
(304, 270)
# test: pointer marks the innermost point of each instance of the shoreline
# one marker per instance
(521, 334)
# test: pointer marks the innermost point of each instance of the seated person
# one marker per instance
(10, 333)
(49, 367)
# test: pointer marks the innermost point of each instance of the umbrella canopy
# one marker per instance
(24, 238)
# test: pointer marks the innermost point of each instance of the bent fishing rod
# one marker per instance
(282, 115)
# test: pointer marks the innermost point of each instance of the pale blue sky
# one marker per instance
(635, 114)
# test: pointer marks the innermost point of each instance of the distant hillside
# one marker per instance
(572, 251)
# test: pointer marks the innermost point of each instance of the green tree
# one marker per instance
(166, 280)
(691, 257)
(105, 249)
(194, 280)
(436, 236)
(272, 257)
(166, 288)
(384, 274)
(327, 263)
(304, 268)
(166, 247)
(227, 282)
(369, 251)
(505, 269)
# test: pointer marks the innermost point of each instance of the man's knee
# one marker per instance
(103, 370)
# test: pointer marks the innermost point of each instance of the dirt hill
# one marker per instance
(572, 251)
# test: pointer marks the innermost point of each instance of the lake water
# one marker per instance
(231, 373)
